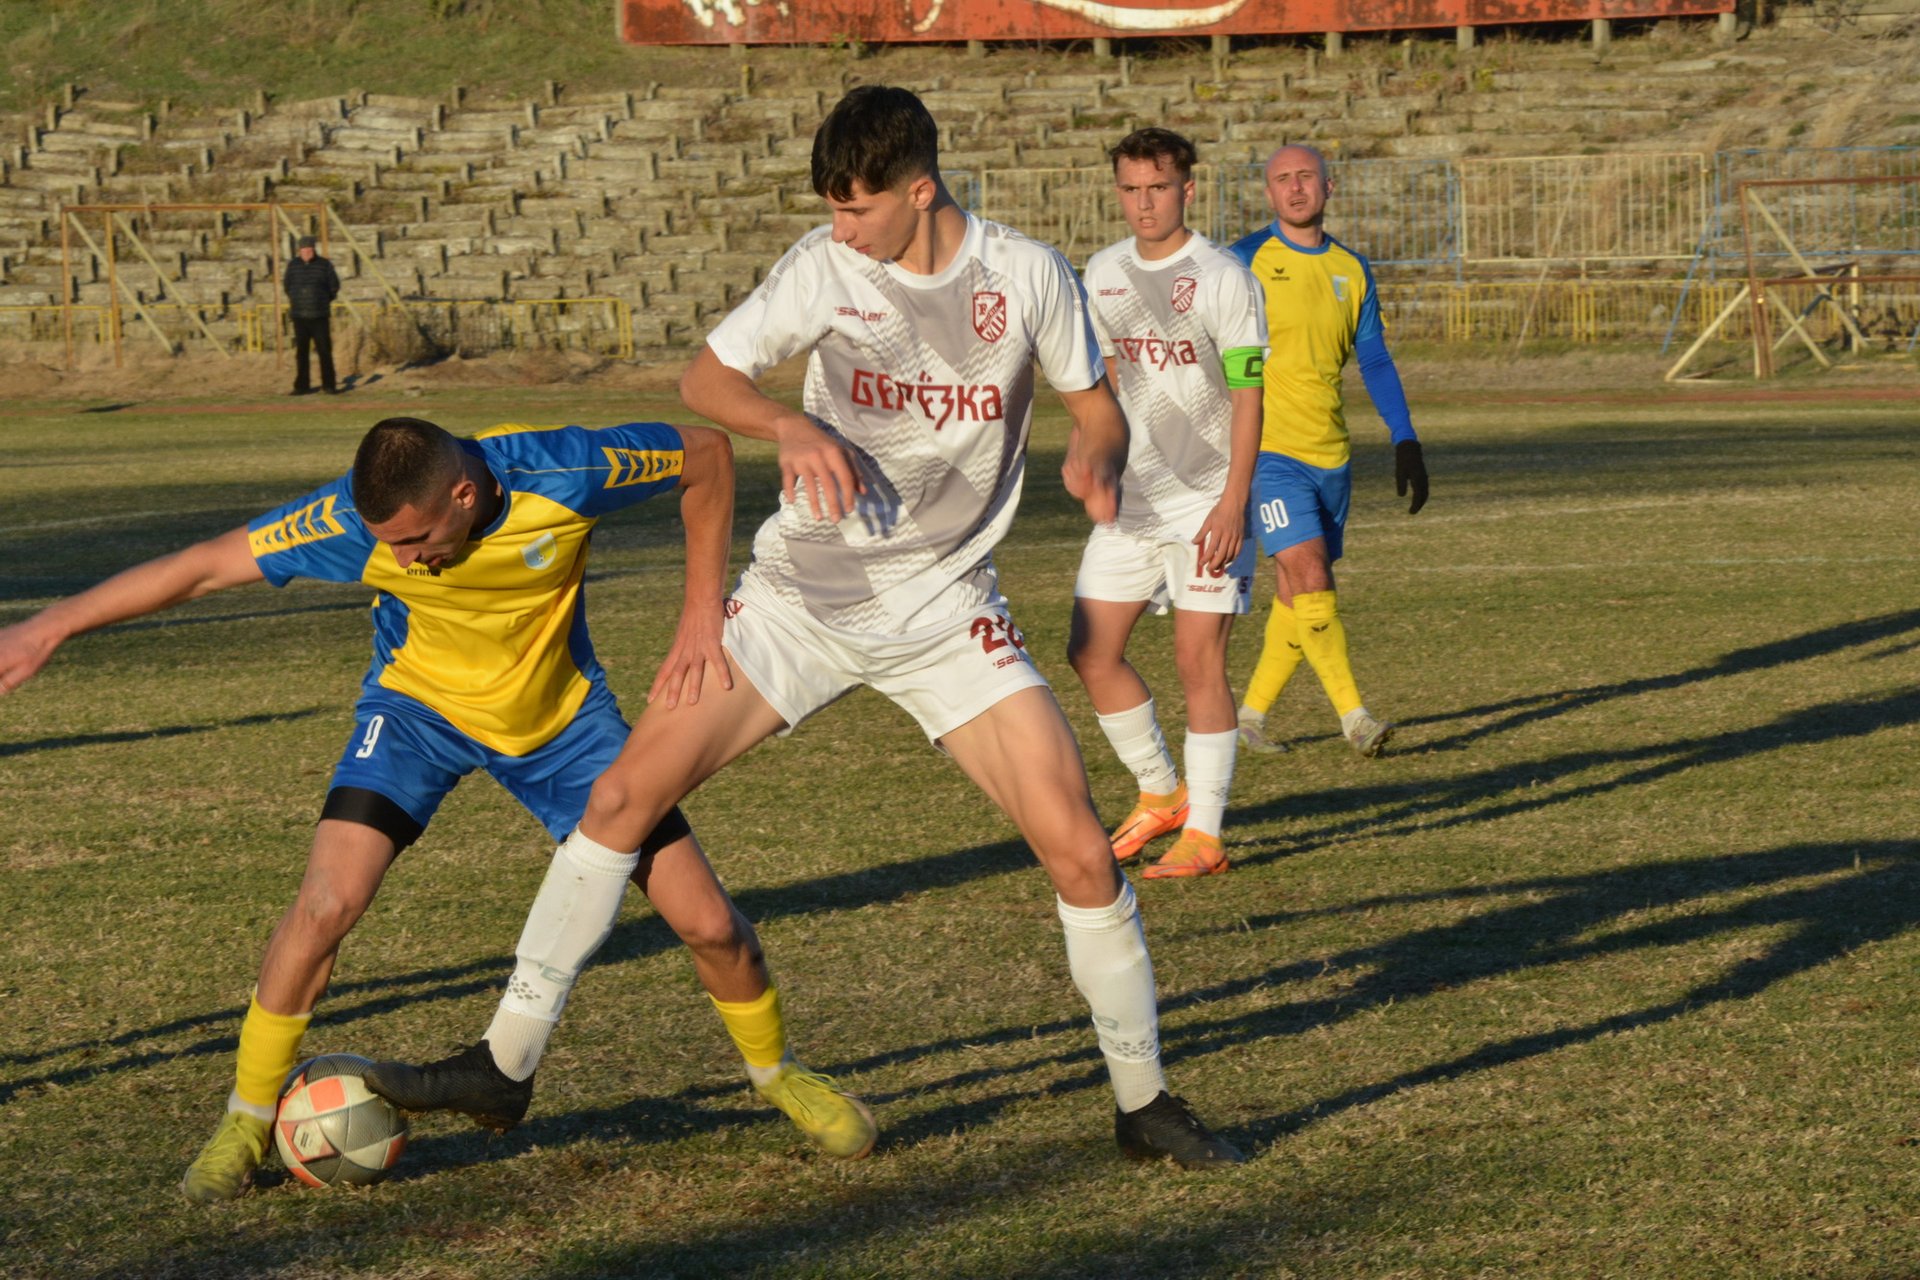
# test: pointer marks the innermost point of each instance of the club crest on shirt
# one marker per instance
(1340, 288)
(1183, 288)
(990, 315)
(540, 552)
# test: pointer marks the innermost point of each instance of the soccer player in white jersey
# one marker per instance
(923, 324)
(1183, 326)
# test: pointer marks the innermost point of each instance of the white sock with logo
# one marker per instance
(571, 916)
(1209, 760)
(1137, 740)
(1107, 954)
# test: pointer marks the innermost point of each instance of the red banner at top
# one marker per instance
(906, 21)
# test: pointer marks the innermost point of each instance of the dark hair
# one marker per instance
(878, 136)
(402, 462)
(1162, 146)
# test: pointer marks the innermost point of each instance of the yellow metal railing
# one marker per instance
(1589, 311)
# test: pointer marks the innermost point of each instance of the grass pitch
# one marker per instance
(1605, 970)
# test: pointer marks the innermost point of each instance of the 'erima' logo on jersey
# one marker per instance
(314, 522)
(640, 466)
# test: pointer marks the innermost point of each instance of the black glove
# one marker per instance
(1410, 471)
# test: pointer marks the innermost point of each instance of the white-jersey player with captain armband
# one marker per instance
(1183, 327)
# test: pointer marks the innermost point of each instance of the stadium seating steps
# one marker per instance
(678, 199)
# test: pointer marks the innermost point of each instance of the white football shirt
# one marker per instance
(929, 381)
(1163, 327)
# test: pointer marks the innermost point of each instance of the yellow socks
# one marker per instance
(757, 1029)
(1324, 642)
(1278, 659)
(269, 1046)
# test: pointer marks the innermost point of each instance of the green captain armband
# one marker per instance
(1245, 366)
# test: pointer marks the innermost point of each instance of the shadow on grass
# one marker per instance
(1513, 713)
(1385, 810)
(1812, 903)
(633, 938)
(142, 735)
(1529, 785)
(1830, 899)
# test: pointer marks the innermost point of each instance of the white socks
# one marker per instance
(1209, 758)
(1107, 955)
(571, 916)
(1137, 740)
(237, 1103)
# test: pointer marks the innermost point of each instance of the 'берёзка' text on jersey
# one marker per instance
(929, 381)
(1164, 327)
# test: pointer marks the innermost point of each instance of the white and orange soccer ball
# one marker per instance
(332, 1130)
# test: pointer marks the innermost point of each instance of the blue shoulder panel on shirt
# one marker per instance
(1247, 245)
(589, 470)
(318, 536)
(1370, 326)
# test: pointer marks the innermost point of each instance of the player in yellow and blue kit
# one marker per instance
(476, 551)
(1321, 309)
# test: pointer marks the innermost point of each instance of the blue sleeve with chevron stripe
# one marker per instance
(319, 535)
(589, 470)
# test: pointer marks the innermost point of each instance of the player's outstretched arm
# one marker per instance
(204, 567)
(1096, 450)
(706, 509)
(810, 459)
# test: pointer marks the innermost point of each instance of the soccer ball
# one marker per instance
(332, 1130)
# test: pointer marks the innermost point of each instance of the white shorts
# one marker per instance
(944, 675)
(1126, 568)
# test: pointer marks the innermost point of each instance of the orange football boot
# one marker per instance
(1195, 853)
(1152, 818)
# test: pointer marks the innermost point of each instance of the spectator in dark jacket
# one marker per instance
(311, 284)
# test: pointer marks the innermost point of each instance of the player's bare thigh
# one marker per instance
(1022, 753)
(1302, 569)
(669, 753)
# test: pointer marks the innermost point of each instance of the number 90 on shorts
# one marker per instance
(1295, 503)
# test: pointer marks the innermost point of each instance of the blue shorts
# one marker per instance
(406, 751)
(1295, 503)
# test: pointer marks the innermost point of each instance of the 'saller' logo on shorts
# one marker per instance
(996, 631)
(990, 315)
(731, 607)
(540, 552)
(1183, 293)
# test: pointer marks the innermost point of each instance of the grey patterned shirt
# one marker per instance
(1163, 327)
(929, 381)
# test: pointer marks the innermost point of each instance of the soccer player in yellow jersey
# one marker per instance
(476, 551)
(1321, 309)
